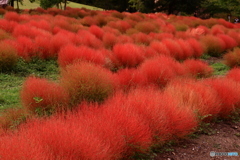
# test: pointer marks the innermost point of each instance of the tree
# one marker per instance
(222, 6)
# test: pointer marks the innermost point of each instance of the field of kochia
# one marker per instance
(128, 81)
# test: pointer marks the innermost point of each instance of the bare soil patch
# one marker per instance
(221, 137)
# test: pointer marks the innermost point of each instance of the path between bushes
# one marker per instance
(221, 137)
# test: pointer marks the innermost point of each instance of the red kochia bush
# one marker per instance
(86, 81)
(83, 136)
(44, 47)
(130, 78)
(136, 131)
(234, 74)
(128, 54)
(43, 95)
(12, 16)
(229, 41)
(197, 47)
(187, 49)
(159, 70)
(70, 54)
(201, 99)
(214, 46)
(174, 48)
(232, 58)
(26, 47)
(228, 92)
(197, 68)
(89, 39)
(160, 48)
(7, 25)
(58, 41)
(97, 31)
(141, 38)
(163, 115)
(109, 40)
(8, 56)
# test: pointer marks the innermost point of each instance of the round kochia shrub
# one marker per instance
(8, 56)
(42, 96)
(232, 58)
(197, 68)
(86, 81)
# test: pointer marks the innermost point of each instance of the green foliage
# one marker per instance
(220, 68)
(137, 4)
(48, 4)
(37, 67)
(219, 6)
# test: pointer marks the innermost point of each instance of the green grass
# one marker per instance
(220, 68)
(10, 85)
(28, 5)
(11, 82)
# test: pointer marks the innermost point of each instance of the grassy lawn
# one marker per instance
(28, 5)
(10, 85)
(11, 82)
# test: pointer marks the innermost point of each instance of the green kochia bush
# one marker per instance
(87, 82)
(8, 57)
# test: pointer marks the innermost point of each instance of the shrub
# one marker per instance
(234, 74)
(41, 96)
(97, 31)
(4, 35)
(150, 52)
(26, 48)
(161, 36)
(44, 48)
(230, 42)
(197, 68)
(11, 118)
(70, 54)
(59, 41)
(41, 24)
(232, 58)
(235, 35)
(109, 40)
(188, 51)
(201, 99)
(12, 16)
(8, 57)
(227, 91)
(136, 131)
(160, 48)
(85, 137)
(128, 54)
(124, 39)
(146, 27)
(141, 38)
(8, 26)
(160, 112)
(89, 39)
(174, 48)
(86, 81)
(197, 47)
(213, 45)
(130, 78)
(159, 70)
(217, 29)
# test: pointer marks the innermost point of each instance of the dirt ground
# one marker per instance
(220, 137)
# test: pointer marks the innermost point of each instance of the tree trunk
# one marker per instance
(17, 4)
(65, 4)
(171, 6)
(12, 3)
